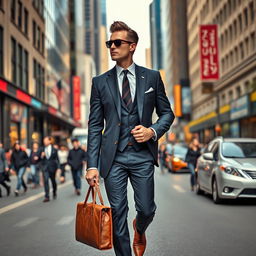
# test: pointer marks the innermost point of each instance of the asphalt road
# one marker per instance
(185, 224)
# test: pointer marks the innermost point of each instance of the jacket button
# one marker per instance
(116, 142)
(119, 124)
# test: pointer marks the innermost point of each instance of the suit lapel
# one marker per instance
(140, 88)
(114, 90)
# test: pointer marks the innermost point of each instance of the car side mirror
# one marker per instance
(208, 156)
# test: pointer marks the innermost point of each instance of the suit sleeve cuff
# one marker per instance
(154, 138)
(92, 168)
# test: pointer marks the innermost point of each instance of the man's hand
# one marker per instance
(142, 134)
(92, 177)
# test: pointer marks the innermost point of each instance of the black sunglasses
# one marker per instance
(116, 42)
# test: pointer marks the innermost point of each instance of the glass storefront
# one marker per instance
(18, 123)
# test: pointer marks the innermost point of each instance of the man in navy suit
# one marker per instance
(50, 165)
(122, 103)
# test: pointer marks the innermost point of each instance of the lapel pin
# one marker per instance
(142, 77)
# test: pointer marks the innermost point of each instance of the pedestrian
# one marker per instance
(194, 151)
(76, 160)
(34, 161)
(63, 158)
(162, 157)
(19, 162)
(50, 165)
(3, 171)
(122, 103)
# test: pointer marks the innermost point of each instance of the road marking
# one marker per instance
(179, 188)
(26, 222)
(29, 199)
(65, 220)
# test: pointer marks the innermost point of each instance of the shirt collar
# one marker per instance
(131, 69)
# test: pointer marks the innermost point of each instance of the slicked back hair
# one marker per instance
(121, 26)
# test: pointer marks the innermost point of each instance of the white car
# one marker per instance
(227, 169)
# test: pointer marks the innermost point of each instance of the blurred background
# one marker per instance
(50, 50)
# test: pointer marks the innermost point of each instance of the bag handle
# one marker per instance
(94, 190)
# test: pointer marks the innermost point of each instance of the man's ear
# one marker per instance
(133, 47)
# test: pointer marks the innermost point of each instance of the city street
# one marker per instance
(185, 224)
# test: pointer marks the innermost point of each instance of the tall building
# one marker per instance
(26, 110)
(230, 109)
(156, 34)
(93, 31)
(175, 59)
(58, 87)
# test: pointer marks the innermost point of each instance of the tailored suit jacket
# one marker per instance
(105, 114)
(51, 164)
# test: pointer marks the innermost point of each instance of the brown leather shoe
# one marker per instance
(139, 241)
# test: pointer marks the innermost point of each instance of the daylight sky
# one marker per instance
(136, 14)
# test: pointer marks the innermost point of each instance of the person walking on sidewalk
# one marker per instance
(63, 158)
(50, 165)
(19, 162)
(122, 103)
(76, 160)
(34, 161)
(3, 170)
(194, 151)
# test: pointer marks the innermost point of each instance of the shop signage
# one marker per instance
(239, 108)
(76, 98)
(3, 86)
(209, 60)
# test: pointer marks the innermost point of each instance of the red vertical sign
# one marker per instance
(209, 52)
(76, 98)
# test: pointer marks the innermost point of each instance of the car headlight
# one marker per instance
(231, 170)
(176, 159)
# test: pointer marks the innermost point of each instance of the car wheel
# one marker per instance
(199, 191)
(215, 194)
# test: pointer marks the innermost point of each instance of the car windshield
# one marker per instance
(180, 151)
(239, 149)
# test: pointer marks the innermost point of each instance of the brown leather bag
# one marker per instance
(94, 222)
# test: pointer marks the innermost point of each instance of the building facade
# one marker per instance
(26, 112)
(175, 59)
(156, 35)
(230, 109)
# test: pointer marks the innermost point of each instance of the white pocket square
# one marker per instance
(150, 90)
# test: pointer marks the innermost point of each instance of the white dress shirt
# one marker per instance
(131, 78)
(48, 151)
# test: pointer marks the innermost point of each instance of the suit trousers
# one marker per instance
(139, 168)
(52, 176)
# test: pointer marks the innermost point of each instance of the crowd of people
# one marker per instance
(42, 163)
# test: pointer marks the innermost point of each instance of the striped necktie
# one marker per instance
(126, 92)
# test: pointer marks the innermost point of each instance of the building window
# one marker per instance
(240, 23)
(251, 8)
(235, 28)
(236, 55)
(238, 92)
(20, 66)
(1, 51)
(245, 17)
(38, 74)
(13, 10)
(223, 99)
(20, 14)
(34, 33)
(38, 38)
(25, 68)
(241, 51)
(253, 42)
(14, 68)
(43, 38)
(247, 87)
(230, 95)
(25, 21)
(246, 46)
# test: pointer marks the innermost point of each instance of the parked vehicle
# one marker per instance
(227, 169)
(175, 160)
